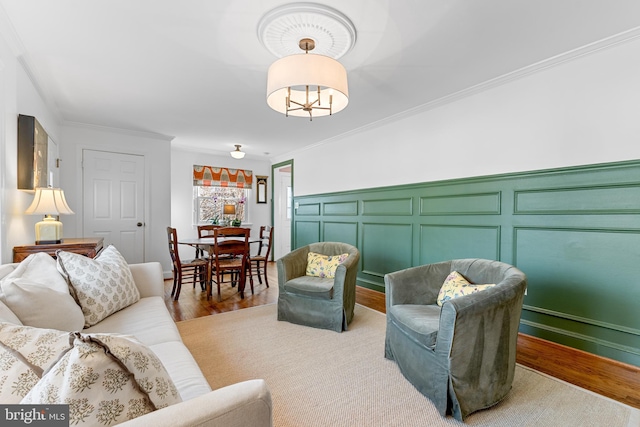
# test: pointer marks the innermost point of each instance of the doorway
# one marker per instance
(282, 207)
(113, 201)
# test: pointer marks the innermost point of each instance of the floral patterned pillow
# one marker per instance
(102, 285)
(324, 266)
(455, 285)
(105, 379)
(25, 353)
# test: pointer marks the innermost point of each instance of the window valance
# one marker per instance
(210, 176)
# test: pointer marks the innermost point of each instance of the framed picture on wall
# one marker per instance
(261, 185)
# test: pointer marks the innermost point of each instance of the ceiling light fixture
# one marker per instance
(307, 84)
(237, 154)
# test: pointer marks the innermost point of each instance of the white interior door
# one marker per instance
(282, 212)
(113, 201)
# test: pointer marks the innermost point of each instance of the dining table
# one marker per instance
(208, 244)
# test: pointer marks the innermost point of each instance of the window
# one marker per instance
(209, 203)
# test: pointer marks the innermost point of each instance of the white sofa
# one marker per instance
(243, 404)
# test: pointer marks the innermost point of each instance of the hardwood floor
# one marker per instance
(612, 379)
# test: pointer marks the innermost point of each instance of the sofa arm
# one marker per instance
(148, 278)
(239, 405)
(292, 265)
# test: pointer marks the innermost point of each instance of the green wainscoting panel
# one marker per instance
(341, 208)
(306, 232)
(580, 201)
(465, 204)
(445, 242)
(393, 207)
(574, 231)
(346, 232)
(394, 254)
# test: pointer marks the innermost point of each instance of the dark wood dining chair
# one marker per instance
(205, 231)
(185, 271)
(230, 255)
(258, 262)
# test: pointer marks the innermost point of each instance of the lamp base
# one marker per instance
(48, 231)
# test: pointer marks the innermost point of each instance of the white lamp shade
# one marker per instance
(307, 69)
(237, 154)
(49, 201)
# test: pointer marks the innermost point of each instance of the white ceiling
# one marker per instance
(196, 71)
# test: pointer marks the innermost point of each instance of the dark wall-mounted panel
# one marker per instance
(33, 148)
(574, 231)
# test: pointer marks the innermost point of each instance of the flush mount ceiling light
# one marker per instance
(311, 83)
(237, 154)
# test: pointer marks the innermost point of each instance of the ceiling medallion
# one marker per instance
(307, 84)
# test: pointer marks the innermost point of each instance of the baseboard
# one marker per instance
(610, 378)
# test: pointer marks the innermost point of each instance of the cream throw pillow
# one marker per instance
(455, 285)
(25, 353)
(106, 380)
(102, 285)
(39, 296)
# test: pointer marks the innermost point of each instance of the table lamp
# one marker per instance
(49, 202)
(229, 209)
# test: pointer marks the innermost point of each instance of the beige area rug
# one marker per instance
(323, 378)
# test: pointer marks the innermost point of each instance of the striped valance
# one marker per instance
(211, 176)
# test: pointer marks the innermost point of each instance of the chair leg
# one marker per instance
(264, 271)
(175, 282)
(179, 286)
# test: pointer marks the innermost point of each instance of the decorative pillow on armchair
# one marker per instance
(455, 285)
(324, 266)
(102, 285)
(106, 379)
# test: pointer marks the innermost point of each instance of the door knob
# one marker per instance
(139, 224)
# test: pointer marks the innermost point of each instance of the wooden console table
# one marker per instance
(88, 246)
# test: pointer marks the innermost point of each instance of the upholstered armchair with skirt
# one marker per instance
(319, 302)
(461, 355)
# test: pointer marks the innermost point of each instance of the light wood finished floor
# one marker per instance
(603, 376)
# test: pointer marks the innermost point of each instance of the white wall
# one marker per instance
(580, 112)
(18, 95)
(182, 162)
(157, 153)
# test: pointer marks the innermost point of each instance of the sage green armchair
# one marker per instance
(462, 355)
(313, 301)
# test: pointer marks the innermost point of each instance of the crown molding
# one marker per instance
(122, 131)
(534, 68)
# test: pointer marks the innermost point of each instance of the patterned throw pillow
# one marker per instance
(102, 285)
(26, 352)
(106, 380)
(324, 266)
(455, 285)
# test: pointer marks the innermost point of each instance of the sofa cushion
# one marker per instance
(455, 285)
(148, 320)
(26, 352)
(314, 287)
(106, 379)
(324, 266)
(35, 282)
(6, 315)
(183, 369)
(419, 322)
(102, 285)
